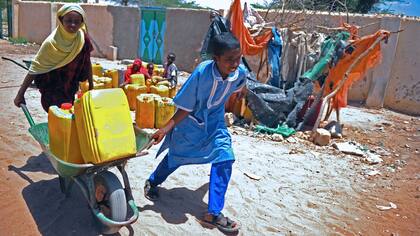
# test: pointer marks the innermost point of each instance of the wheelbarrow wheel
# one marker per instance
(110, 196)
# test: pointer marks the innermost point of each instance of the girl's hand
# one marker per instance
(19, 99)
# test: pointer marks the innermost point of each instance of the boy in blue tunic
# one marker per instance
(197, 133)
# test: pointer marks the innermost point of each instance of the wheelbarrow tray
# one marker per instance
(67, 169)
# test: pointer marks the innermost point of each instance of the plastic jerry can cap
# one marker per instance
(79, 94)
(66, 106)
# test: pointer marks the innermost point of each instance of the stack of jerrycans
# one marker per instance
(104, 126)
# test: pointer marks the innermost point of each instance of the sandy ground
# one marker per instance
(304, 189)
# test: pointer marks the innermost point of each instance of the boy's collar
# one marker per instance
(216, 74)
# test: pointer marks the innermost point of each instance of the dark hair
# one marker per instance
(171, 55)
(223, 42)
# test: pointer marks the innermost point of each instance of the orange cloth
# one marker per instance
(336, 73)
(249, 45)
(352, 29)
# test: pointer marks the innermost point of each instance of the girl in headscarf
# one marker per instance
(136, 68)
(62, 61)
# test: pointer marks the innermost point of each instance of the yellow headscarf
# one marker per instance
(60, 47)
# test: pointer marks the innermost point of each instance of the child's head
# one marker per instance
(72, 17)
(171, 57)
(226, 52)
(72, 21)
(150, 68)
(137, 64)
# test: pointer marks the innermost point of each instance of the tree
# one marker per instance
(169, 3)
(355, 6)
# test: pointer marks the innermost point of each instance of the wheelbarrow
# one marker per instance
(106, 197)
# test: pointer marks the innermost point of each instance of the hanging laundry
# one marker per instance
(249, 45)
(218, 25)
(337, 73)
(330, 51)
(274, 58)
(251, 16)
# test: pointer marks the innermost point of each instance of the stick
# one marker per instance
(346, 76)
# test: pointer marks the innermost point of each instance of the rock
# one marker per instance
(277, 137)
(372, 172)
(386, 123)
(335, 129)
(407, 146)
(390, 169)
(372, 158)
(322, 137)
(406, 122)
(381, 151)
(291, 140)
(385, 208)
(240, 129)
(349, 148)
(229, 119)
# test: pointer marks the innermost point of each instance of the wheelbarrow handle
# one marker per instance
(17, 63)
(27, 114)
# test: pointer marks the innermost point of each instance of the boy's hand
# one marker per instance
(158, 135)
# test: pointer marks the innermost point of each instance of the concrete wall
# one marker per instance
(403, 90)
(186, 29)
(100, 25)
(125, 35)
(393, 84)
(34, 21)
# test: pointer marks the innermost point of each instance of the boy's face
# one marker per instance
(170, 59)
(229, 61)
(72, 22)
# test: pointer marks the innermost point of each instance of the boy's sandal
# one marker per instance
(150, 192)
(222, 222)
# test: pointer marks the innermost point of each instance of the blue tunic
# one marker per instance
(202, 137)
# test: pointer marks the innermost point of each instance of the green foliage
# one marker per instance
(170, 3)
(356, 6)
(2, 4)
(19, 40)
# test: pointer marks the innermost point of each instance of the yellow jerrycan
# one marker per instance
(104, 126)
(132, 91)
(97, 69)
(172, 92)
(160, 90)
(62, 131)
(145, 111)
(165, 109)
(138, 79)
(113, 74)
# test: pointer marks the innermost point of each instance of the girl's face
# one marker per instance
(228, 62)
(72, 22)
